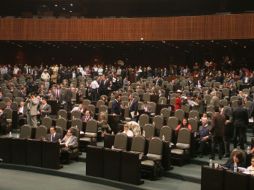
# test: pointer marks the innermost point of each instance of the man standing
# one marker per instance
(32, 110)
(217, 130)
(240, 122)
(45, 108)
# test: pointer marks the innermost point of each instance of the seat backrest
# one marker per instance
(91, 126)
(146, 97)
(75, 131)
(25, 132)
(143, 119)
(59, 130)
(8, 113)
(103, 108)
(165, 112)
(172, 122)
(138, 144)
(86, 102)
(120, 141)
(149, 131)
(194, 114)
(210, 108)
(158, 121)
(152, 106)
(41, 132)
(91, 108)
(47, 122)
(77, 123)
(99, 103)
(162, 100)
(166, 131)
(184, 136)
(76, 114)
(179, 114)
(186, 108)
(62, 113)
(194, 124)
(155, 146)
(61, 122)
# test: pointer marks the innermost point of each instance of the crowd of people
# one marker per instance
(70, 85)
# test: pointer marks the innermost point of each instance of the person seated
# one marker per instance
(127, 130)
(103, 125)
(204, 137)
(134, 127)
(237, 157)
(68, 144)
(184, 124)
(250, 169)
(87, 116)
(53, 136)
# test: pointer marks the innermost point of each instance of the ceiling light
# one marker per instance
(71, 4)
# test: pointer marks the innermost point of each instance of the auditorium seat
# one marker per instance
(62, 114)
(25, 132)
(151, 164)
(148, 131)
(47, 122)
(41, 132)
(181, 151)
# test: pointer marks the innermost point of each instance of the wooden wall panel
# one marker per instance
(237, 26)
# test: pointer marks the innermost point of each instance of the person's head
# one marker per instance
(102, 116)
(184, 121)
(22, 103)
(44, 101)
(88, 113)
(1, 112)
(52, 130)
(237, 156)
(252, 161)
(126, 127)
(69, 132)
(204, 121)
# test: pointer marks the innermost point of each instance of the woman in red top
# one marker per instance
(184, 124)
(178, 102)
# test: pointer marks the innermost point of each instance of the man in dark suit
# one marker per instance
(53, 136)
(240, 122)
(116, 106)
(133, 107)
(45, 108)
(217, 130)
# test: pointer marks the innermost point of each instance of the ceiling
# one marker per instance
(121, 8)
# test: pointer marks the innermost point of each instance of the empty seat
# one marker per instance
(152, 162)
(25, 132)
(62, 113)
(47, 122)
(143, 120)
(41, 133)
(181, 151)
(138, 145)
(61, 122)
(172, 122)
(148, 131)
